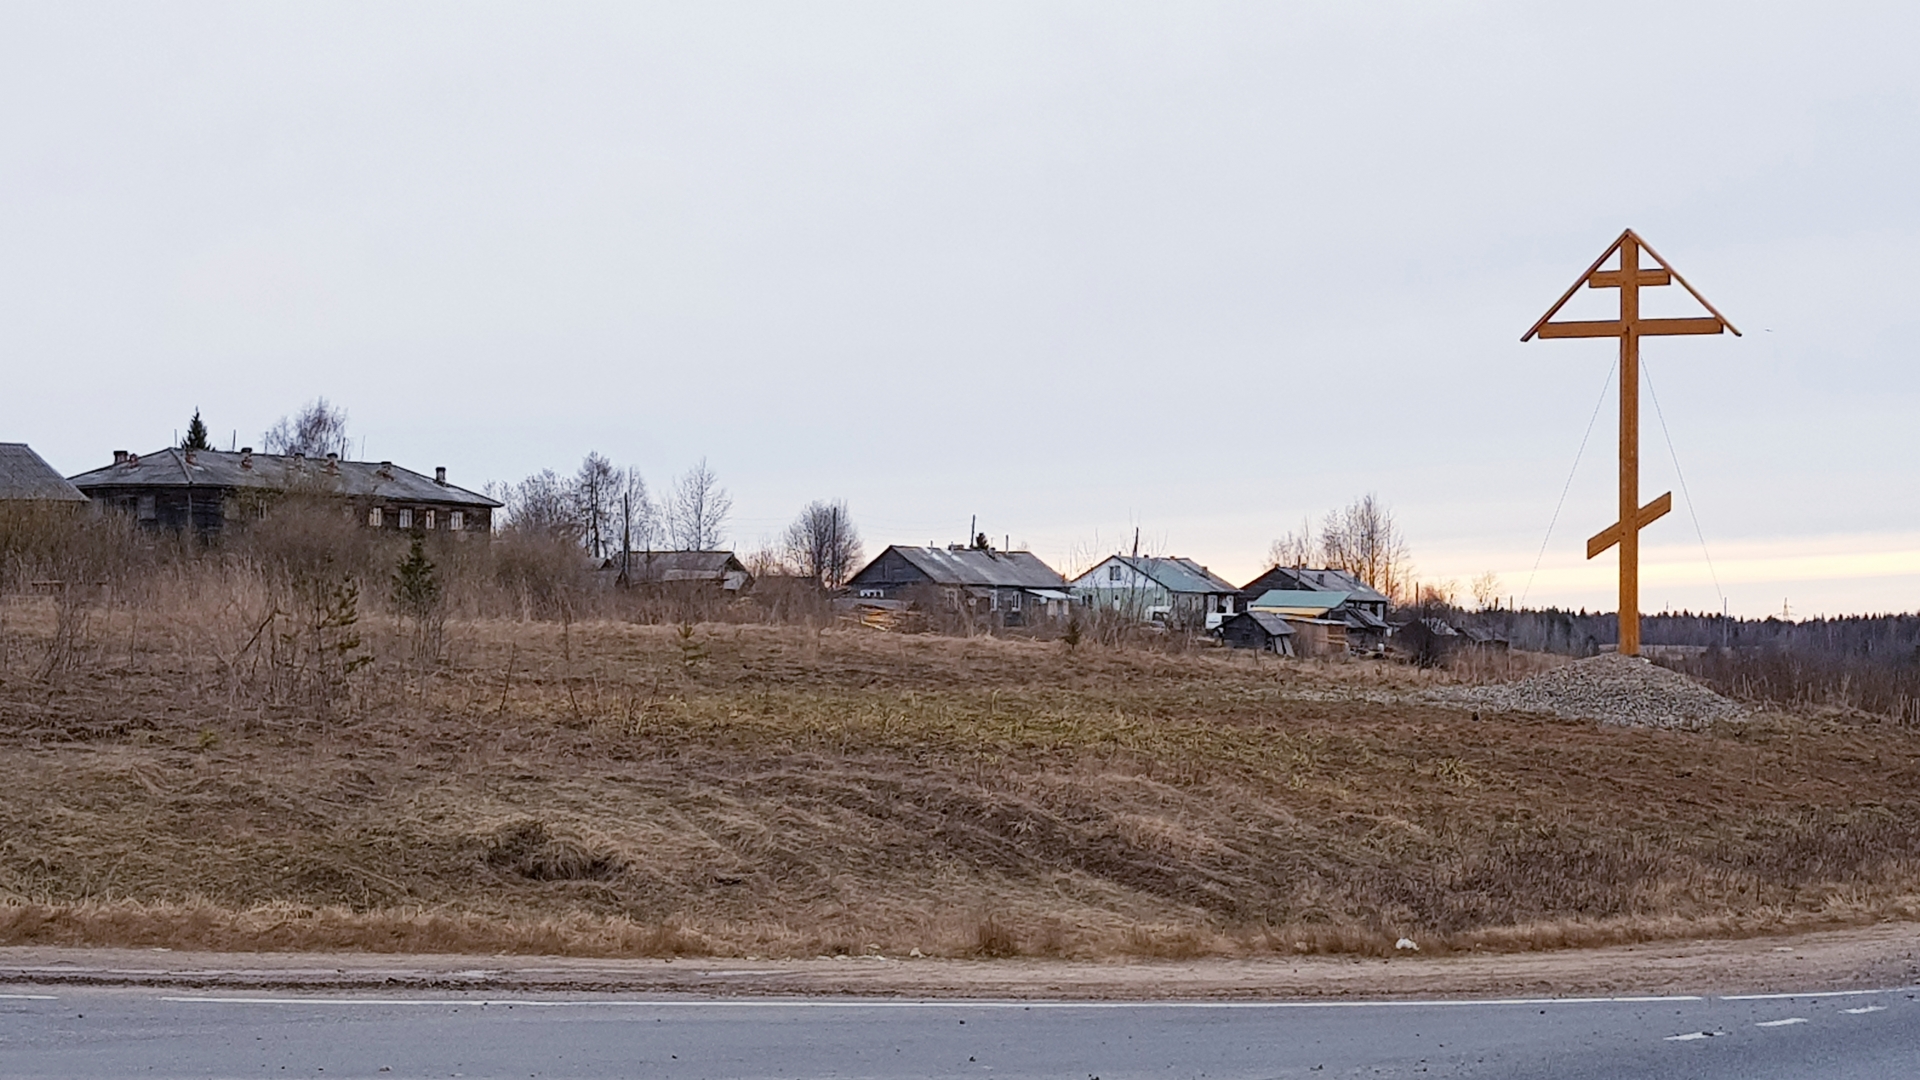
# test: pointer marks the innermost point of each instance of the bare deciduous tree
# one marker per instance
(697, 510)
(1486, 591)
(596, 494)
(317, 430)
(541, 503)
(1364, 541)
(1295, 549)
(639, 517)
(823, 544)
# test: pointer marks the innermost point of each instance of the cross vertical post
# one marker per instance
(1629, 328)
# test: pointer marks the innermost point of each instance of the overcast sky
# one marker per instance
(1203, 269)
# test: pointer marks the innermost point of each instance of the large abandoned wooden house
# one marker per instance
(207, 490)
(1007, 588)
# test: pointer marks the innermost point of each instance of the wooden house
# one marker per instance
(720, 571)
(1174, 591)
(207, 490)
(1005, 588)
(26, 480)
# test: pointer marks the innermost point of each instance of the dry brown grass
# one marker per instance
(615, 789)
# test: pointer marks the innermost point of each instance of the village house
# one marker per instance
(27, 480)
(207, 490)
(1007, 588)
(1173, 591)
(717, 570)
(1364, 610)
(1318, 627)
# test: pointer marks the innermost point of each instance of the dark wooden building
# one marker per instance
(1261, 630)
(207, 490)
(1008, 588)
(27, 479)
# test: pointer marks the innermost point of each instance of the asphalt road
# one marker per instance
(69, 1032)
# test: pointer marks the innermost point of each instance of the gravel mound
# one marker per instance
(1614, 689)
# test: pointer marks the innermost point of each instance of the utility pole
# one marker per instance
(1629, 278)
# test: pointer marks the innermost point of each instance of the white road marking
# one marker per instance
(1782, 1023)
(1864, 1009)
(1692, 1035)
(28, 997)
(1815, 994)
(844, 1003)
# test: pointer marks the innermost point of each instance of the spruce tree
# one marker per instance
(196, 434)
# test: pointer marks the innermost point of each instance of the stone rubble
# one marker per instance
(1612, 689)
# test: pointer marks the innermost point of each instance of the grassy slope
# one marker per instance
(760, 790)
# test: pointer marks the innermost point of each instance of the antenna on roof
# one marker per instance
(972, 524)
(1136, 541)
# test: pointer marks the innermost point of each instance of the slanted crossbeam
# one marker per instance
(1630, 277)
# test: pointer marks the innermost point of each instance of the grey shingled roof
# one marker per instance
(25, 475)
(677, 565)
(1338, 581)
(276, 472)
(982, 568)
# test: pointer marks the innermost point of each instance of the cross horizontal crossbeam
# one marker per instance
(1643, 327)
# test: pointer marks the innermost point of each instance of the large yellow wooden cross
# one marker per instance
(1630, 277)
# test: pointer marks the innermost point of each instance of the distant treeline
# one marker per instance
(1866, 662)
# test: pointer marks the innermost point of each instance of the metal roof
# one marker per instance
(1273, 623)
(1298, 600)
(1173, 574)
(678, 565)
(26, 475)
(173, 467)
(983, 567)
(1340, 580)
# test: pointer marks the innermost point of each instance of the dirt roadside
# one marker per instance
(1868, 958)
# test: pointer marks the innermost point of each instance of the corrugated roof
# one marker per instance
(1172, 574)
(982, 567)
(1338, 580)
(677, 565)
(26, 475)
(1298, 600)
(276, 472)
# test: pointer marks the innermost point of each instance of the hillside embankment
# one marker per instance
(611, 789)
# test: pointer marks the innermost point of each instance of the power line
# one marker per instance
(1564, 488)
(1684, 493)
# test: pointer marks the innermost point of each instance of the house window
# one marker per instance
(456, 521)
(406, 519)
(373, 517)
(430, 516)
(146, 511)
(1113, 572)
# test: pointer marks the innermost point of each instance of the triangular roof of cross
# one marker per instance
(1588, 277)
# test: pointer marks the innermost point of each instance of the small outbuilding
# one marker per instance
(718, 570)
(1262, 630)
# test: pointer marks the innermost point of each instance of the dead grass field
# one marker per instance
(609, 789)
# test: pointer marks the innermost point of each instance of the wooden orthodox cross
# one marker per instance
(1629, 278)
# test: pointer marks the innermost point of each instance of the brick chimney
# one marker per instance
(440, 475)
(385, 471)
(246, 457)
(120, 457)
(333, 464)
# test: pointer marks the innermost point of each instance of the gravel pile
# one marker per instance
(1613, 689)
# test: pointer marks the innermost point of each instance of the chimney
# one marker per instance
(120, 457)
(246, 457)
(190, 459)
(440, 475)
(333, 464)
(386, 470)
